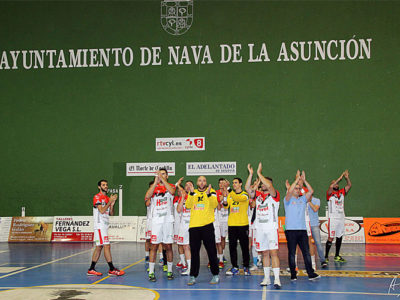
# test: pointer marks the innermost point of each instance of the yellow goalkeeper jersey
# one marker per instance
(201, 207)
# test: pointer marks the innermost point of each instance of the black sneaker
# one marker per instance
(152, 277)
(293, 277)
(324, 264)
(313, 276)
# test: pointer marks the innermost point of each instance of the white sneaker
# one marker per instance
(253, 268)
(277, 283)
(266, 281)
(186, 273)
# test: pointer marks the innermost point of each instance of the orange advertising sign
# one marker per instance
(281, 232)
(382, 230)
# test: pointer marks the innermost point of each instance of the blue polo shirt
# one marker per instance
(314, 220)
(295, 210)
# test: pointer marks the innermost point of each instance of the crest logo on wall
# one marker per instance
(176, 16)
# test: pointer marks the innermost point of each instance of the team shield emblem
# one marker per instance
(176, 16)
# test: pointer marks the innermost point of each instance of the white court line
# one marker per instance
(264, 293)
(46, 263)
(280, 291)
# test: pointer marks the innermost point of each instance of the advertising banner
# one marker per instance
(382, 230)
(31, 229)
(353, 230)
(181, 144)
(211, 168)
(72, 229)
(123, 229)
(149, 168)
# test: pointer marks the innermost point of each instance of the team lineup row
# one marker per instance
(189, 216)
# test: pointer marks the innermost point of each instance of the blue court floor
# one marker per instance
(58, 271)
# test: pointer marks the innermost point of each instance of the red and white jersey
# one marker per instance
(162, 206)
(100, 220)
(185, 215)
(336, 203)
(177, 216)
(267, 208)
(223, 213)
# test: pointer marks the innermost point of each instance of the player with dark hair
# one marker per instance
(103, 207)
(266, 224)
(335, 197)
(237, 201)
(162, 194)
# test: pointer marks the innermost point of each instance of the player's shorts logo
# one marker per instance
(153, 238)
(176, 16)
(106, 239)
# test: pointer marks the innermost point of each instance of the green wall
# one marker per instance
(64, 129)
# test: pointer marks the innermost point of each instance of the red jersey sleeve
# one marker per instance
(342, 191)
(96, 200)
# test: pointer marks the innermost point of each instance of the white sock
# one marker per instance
(169, 265)
(313, 262)
(276, 273)
(189, 263)
(267, 270)
(146, 253)
(182, 256)
(151, 267)
(221, 257)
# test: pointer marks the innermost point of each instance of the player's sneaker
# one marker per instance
(277, 283)
(224, 260)
(192, 280)
(327, 259)
(170, 275)
(266, 281)
(152, 277)
(338, 258)
(221, 265)
(253, 268)
(165, 268)
(293, 277)
(179, 265)
(208, 266)
(215, 279)
(184, 267)
(148, 270)
(313, 276)
(232, 271)
(93, 273)
(186, 272)
(324, 264)
(115, 272)
(246, 271)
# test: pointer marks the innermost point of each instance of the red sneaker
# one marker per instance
(221, 265)
(179, 265)
(115, 272)
(93, 273)
(184, 268)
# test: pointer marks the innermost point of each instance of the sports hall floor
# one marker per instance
(58, 271)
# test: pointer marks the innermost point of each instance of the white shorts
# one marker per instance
(101, 237)
(308, 226)
(266, 239)
(162, 233)
(335, 227)
(183, 236)
(148, 230)
(217, 233)
(223, 228)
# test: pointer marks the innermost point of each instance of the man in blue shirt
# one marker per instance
(295, 224)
